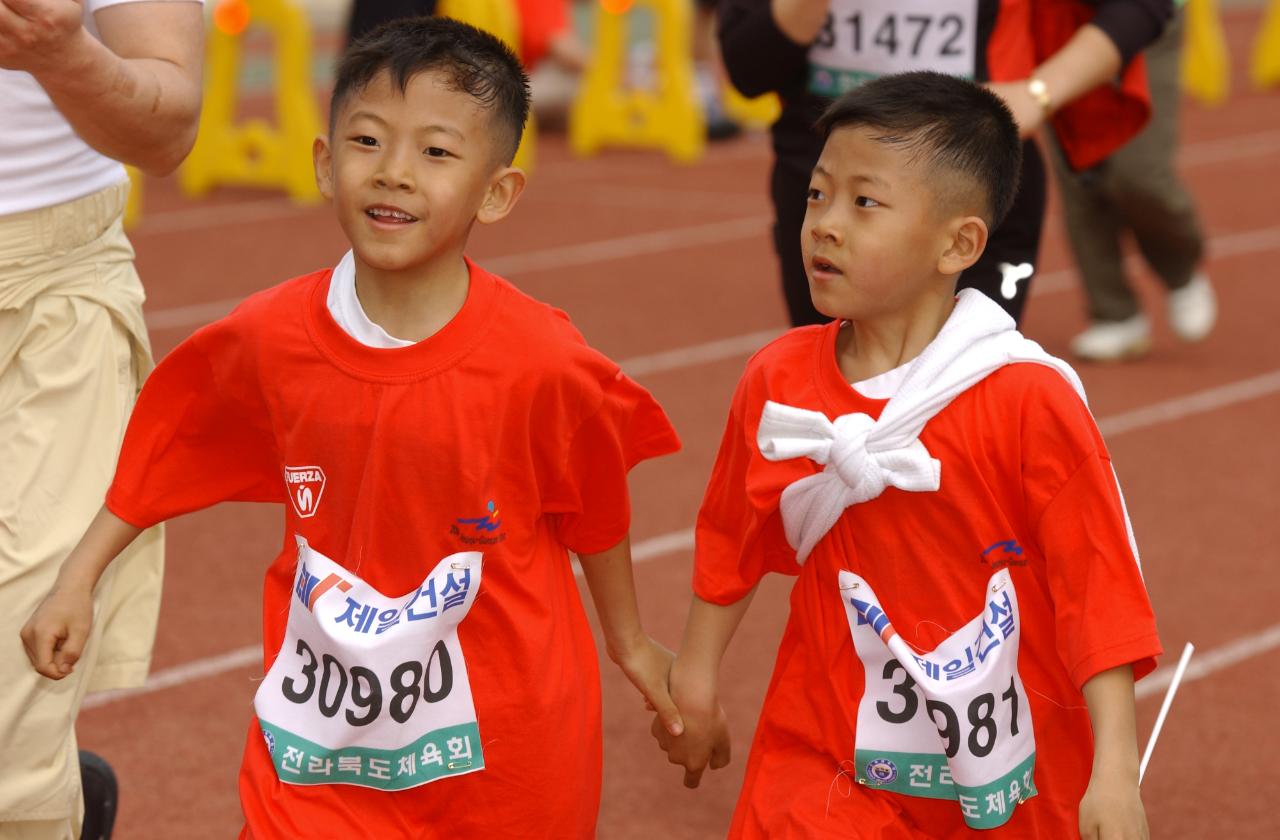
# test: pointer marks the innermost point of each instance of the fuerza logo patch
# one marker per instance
(305, 486)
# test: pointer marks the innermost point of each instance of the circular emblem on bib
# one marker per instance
(271, 741)
(881, 771)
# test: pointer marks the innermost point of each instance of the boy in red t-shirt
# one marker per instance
(440, 442)
(968, 616)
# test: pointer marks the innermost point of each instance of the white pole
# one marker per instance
(1164, 707)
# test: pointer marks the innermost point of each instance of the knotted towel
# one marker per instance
(862, 456)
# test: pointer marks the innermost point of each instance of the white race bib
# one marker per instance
(865, 39)
(369, 690)
(952, 723)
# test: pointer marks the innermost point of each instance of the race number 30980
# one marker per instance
(360, 692)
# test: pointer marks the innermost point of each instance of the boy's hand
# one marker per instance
(648, 664)
(1112, 810)
(705, 741)
(55, 634)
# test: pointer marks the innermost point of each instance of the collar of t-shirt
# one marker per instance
(883, 386)
(345, 308)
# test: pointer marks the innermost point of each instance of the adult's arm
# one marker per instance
(1093, 56)
(1132, 25)
(134, 96)
(765, 43)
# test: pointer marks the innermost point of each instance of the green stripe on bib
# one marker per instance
(928, 775)
(451, 751)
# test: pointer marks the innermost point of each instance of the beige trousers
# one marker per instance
(73, 354)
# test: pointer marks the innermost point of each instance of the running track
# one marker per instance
(670, 271)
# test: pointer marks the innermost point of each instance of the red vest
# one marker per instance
(1094, 126)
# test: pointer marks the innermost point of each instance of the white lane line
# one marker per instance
(665, 545)
(1199, 402)
(1049, 283)
(180, 674)
(714, 233)
(211, 666)
(1206, 663)
(711, 351)
(203, 217)
(1257, 144)
(631, 245)
(544, 259)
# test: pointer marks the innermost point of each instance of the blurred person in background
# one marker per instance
(817, 49)
(708, 73)
(546, 27)
(84, 85)
(1137, 190)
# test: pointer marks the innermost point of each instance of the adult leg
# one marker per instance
(1094, 225)
(69, 373)
(1007, 267)
(790, 189)
(1143, 184)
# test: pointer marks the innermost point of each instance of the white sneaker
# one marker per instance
(1110, 341)
(1193, 309)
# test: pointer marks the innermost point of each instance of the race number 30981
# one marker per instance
(334, 686)
(980, 714)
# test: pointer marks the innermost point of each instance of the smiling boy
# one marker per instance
(968, 616)
(440, 442)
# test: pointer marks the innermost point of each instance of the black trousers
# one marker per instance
(1015, 242)
(370, 14)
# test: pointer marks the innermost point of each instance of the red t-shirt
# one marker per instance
(504, 433)
(1023, 466)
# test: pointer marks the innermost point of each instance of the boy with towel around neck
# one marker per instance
(969, 615)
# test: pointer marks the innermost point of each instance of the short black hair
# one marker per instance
(477, 63)
(946, 122)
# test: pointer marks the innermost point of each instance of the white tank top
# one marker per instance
(43, 161)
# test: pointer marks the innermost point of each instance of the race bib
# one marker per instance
(952, 723)
(865, 39)
(369, 690)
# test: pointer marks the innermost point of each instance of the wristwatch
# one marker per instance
(1040, 93)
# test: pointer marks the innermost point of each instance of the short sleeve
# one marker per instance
(590, 503)
(199, 434)
(1102, 613)
(739, 534)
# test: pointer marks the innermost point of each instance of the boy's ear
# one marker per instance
(967, 240)
(502, 195)
(322, 158)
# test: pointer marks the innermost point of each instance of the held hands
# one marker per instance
(38, 35)
(705, 740)
(55, 635)
(648, 664)
(1112, 810)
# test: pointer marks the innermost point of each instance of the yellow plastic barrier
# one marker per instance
(760, 112)
(133, 204)
(669, 117)
(501, 19)
(255, 153)
(1206, 67)
(1265, 67)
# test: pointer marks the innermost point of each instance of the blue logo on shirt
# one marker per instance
(484, 523)
(1004, 553)
(480, 529)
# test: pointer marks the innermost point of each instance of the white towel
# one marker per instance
(861, 456)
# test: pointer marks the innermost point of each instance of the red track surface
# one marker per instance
(1203, 489)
